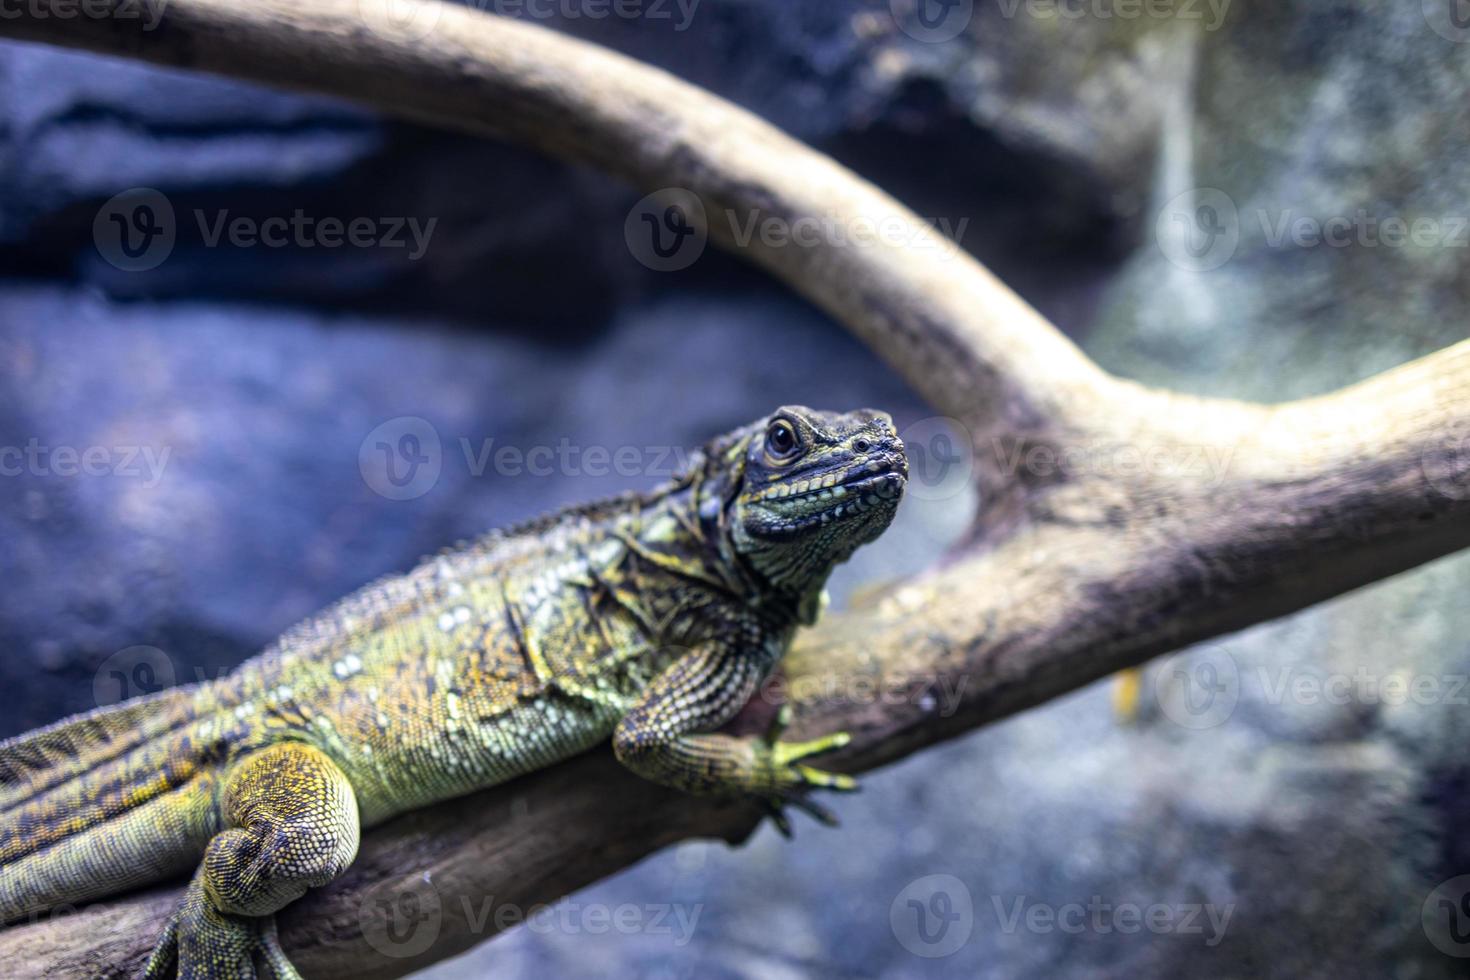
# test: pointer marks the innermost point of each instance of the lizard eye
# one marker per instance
(781, 441)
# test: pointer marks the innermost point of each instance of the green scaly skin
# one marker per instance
(649, 618)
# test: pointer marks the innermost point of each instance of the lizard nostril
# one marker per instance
(862, 445)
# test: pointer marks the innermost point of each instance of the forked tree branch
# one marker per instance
(958, 335)
(1117, 522)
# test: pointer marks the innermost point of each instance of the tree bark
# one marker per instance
(1116, 523)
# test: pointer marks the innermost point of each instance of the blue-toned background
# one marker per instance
(232, 390)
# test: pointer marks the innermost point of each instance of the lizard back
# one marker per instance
(485, 661)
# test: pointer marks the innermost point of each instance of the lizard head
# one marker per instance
(810, 488)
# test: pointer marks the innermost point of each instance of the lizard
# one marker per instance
(649, 619)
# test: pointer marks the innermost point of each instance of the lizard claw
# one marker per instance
(793, 779)
(785, 757)
(233, 945)
(818, 812)
(777, 812)
(821, 779)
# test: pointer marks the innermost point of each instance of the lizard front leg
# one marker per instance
(291, 823)
(665, 737)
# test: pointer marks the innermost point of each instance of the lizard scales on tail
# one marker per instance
(648, 618)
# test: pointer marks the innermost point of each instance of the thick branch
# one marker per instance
(1131, 521)
(1315, 498)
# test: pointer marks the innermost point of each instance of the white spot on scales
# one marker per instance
(347, 666)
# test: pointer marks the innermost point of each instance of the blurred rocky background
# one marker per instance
(1238, 197)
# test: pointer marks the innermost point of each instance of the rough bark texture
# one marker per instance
(1102, 539)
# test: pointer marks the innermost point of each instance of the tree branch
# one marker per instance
(960, 337)
(1119, 522)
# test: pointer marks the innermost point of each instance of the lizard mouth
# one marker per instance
(889, 483)
(866, 494)
(882, 477)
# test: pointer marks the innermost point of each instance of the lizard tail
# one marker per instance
(137, 816)
(38, 761)
(160, 839)
(103, 794)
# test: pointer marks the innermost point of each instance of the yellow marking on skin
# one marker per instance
(146, 791)
(539, 666)
(670, 563)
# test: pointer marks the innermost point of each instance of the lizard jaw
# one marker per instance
(869, 496)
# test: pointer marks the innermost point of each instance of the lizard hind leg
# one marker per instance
(291, 824)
